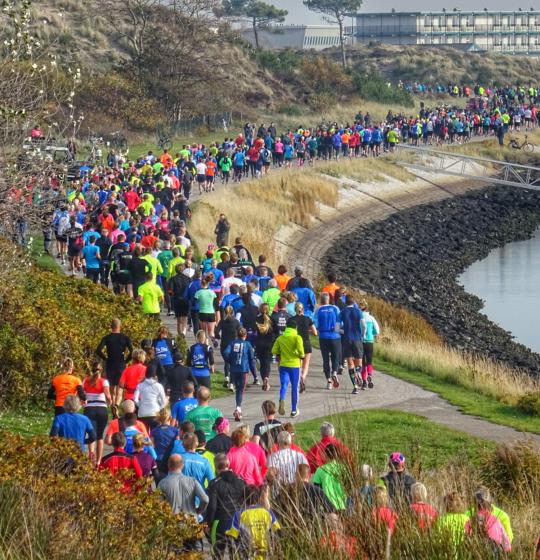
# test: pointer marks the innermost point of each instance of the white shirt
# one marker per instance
(226, 284)
(184, 241)
(201, 169)
(152, 397)
(286, 461)
(257, 300)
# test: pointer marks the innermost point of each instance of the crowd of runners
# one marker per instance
(125, 225)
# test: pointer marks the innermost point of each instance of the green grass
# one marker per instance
(376, 434)
(30, 423)
(38, 255)
(468, 401)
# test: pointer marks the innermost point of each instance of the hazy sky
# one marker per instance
(300, 15)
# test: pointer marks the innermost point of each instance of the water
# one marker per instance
(508, 280)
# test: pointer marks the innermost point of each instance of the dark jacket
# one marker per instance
(175, 377)
(177, 286)
(399, 485)
(226, 331)
(220, 444)
(226, 495)
(222, 229)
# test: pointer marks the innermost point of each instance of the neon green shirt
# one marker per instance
(172, 266)
(328, 476)
(151, 295)
(147, 205)
(155, 266)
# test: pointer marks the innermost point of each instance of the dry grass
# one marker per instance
(259, 209)
(369, 170)
(476, 373)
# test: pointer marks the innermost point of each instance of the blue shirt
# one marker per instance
(128, 448)
(90, 255)
(178, 448)
(228, 299)
(163, 352)
(72, 425)
(190, 292)
(198, 467)
(181, 408)
(289, 151)
(239, 158)
(325, 320)
(87, 234)
(268, 142)
(162, 436)
(240, 356)
(350, 318)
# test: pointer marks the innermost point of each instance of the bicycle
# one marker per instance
(164, 143)
(526, 146)
(119, 140)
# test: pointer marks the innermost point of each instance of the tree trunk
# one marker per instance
(255, 33)
(341, 40)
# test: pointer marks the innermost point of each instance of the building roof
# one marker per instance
(448, 13)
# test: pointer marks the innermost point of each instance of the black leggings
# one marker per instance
(204, 381)
(226, 364)
(99, 416)
(239, 381)
(264, 353)
(367, 357)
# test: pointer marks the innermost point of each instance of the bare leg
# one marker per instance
(305, 366)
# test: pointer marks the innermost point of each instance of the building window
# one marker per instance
(427, 21)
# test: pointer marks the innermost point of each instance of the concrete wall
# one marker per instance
(315, 37)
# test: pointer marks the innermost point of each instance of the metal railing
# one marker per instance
(469, 167)
(470, 29)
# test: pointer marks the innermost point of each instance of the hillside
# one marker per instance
(432, 65)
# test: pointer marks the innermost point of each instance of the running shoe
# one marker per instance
(266, 385)
(295, 413)
(237, 415)
(329, 385)
(364, 385)
(302, 386)
(63, 263)
(282, 407)
(340, 370)
(369, 382)
(231, 388)
(214, 342)
(355, 391)
(226, 382)
(335, 381)
(114, 410)
(59, 256)
(256, 382)
(273, 359)
(190, 328)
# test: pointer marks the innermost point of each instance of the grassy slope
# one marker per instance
(378, 433)
(46, 261)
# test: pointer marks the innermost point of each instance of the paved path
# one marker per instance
(390, 393)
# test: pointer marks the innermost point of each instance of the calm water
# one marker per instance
(508, 280)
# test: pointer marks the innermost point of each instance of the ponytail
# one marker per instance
(97, 370)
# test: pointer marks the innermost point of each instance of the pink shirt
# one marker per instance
(244, 464)
(494, 528)
(114, 235)
(279, 147)
(258, 452)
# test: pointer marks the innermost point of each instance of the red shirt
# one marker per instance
(114, 426)
(385, 516)
(132, 200)
(149, 240)
(132, 376)
(426, 515)
(239, 141)
(253, 154)
(315, 455)
(119, 460)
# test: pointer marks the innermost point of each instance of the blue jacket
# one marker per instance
(240, 356)
(198, 467)
(351, 319)
(307, 298)
(325, 320)
(372, 327)
(190, 292)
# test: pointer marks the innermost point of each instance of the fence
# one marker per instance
(190, 127)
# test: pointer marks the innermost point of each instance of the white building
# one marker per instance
(316, 37)
(502, 32)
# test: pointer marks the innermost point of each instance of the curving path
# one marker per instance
(358, 206)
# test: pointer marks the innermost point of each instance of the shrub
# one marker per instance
(372, 87)
(530, 403)
(48, 317)
(322, 101)
(290, 110)
(55, 504)
(512, 471)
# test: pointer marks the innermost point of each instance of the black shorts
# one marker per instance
(114, 373)
(74, 251)
(365, 144)
(377, 144)
(99, 416)
(124, 279)
(201, 178)
(61, 238)
(181, 308)
(207, 317)
(353, 349)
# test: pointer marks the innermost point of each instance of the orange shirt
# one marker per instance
(331, 289)
(210, 168)
(166, 158)
(65, 384)
(108, 224)
(345, 138)
(282, 280)
(132, 376)
(149, 240)
(113, 428)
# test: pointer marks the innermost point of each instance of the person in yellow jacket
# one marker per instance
(289, 351)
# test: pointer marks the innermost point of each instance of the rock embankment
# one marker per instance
(413, 259)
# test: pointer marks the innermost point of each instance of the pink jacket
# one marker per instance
(494, 528)
(258, 452)
(244, 464)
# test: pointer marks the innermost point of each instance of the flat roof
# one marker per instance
(448, 13)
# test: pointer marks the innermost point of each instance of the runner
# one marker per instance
(372, 329)
(305, 328)
(64, 384)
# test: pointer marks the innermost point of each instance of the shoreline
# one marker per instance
(413, 258)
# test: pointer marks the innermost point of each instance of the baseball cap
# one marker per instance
(397, 460)
(146, 342)
(178, 357)
(299, 268)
